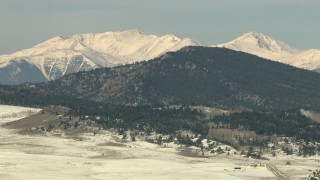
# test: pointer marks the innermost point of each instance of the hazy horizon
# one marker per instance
(26, 24)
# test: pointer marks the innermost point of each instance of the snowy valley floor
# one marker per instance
(101, 157)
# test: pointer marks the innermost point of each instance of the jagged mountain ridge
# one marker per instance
(264, 46)
(215, 77)
(64, 55)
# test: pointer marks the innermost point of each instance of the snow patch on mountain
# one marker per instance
(309, 59)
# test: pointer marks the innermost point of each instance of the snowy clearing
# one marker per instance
(12, 113)
(100, 156)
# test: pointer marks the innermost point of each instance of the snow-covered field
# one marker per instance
(11, 113)
(100, 156)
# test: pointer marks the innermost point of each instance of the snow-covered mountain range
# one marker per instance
(264, 46)
(64, 55)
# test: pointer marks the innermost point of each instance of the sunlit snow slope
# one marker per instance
(64, 55)
(264, 46)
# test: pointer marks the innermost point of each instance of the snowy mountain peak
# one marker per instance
(134, 31)
(264, 46)
(259, 44)
(255, 34)
(265, 42)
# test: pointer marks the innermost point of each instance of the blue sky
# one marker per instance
(25, 23)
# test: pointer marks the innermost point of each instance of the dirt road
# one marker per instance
(276, 171)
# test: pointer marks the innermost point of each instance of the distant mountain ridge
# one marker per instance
(64, 55)
(264, 46)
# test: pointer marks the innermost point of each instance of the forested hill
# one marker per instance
(215, 77)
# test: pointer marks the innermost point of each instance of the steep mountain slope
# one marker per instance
(215, 77)
(264, 46)
(19, 71)
(64, 55)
